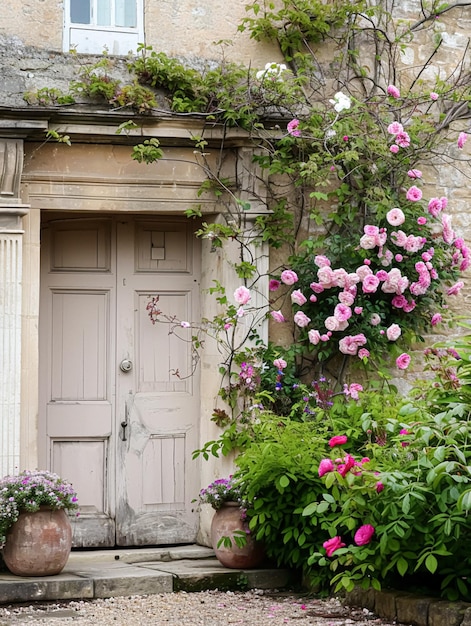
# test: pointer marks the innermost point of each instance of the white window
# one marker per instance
(93, 25)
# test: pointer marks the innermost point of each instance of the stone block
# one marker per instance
(447, 613)
(414, 609)
(65, 588)
(385, 604)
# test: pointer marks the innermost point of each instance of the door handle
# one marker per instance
(125, 422)
(125, 365)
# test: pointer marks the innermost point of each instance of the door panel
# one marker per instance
(157, 397)
(124, 438)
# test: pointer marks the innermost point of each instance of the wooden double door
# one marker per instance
(119, 397)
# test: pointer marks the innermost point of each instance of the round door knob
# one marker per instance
(125, 365)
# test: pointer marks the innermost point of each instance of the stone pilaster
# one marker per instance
(11, 240)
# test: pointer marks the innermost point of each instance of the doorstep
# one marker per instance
(92, 574)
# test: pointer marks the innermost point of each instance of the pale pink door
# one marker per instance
(119, 405)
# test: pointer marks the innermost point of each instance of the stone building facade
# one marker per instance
(86, 235)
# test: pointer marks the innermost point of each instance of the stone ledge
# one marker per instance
(411, 609)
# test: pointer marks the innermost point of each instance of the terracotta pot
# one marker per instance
(38, 544)
(225, 521)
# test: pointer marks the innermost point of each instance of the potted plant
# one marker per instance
(232, 543)
(35, 531)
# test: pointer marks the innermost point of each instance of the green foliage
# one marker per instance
(402, 467)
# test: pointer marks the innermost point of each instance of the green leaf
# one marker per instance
(402, 566)
(431, 563)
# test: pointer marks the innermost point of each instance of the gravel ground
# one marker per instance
(207, 608)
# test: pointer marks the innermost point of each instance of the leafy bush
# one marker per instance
(372, 492)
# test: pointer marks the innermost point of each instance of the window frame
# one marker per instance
(93, 39)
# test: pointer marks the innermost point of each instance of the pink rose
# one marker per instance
(242, 295)
(314, 336)
(433, 95)
(414, 194)
(393, 332)
(421, 220)
(370, 284)
(455, 289)
(288, 277)
(345, 467)
(414, 174)
(342, 312)
(462, 137)
(321, 260)
(379, 487)
(338, 440)
(280, 364)
(297, 297)
(301, 320)
(317, 287)
(403, 361)
(395, 127)
(393, 92)
(273, 285)
(375, 319)
(363, 353)
(353, 389)
(325, 466)
(394, 149)
(434, 206)
(332, 323)
(292, 128)
(364, 534)
(403, 140)
(332, 545)
(277, 316)
(395, 217)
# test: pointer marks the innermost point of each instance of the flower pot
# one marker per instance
(39, 543)
(225, 521)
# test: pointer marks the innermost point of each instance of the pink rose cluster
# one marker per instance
(386, 250)
(362, 537)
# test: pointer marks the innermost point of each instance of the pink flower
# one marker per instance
(394, 148)
(421, 221)
(353, 389)
(332, 323)
(321, 260)
(393, 92)
(414, 194)
(434, 206)
(342, 312)
(414, 173)
(393, 332)
(403, 139)
(404, 431)
(403, 361)
(379, 487)
(345, 467)
(273, 285)
(240, 311)
(433, 95)
(338, 440)
(363, 353)
(292, 128)
(297, 297)
(345, 137)
(277, 316)
(351, 344)
(332, 545)
(370, 284)
(462, 137)
(185, 324)
(288, 277)
(448, 232)
(312, 298)
(301, 320)
(395, 127)
(358, 310)
(314, 336)
(375, 319)
(317, 287)
(395, 217)
(364, 534)
(280, 364)
(455, 289)
(325, 466)
(242, 295)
